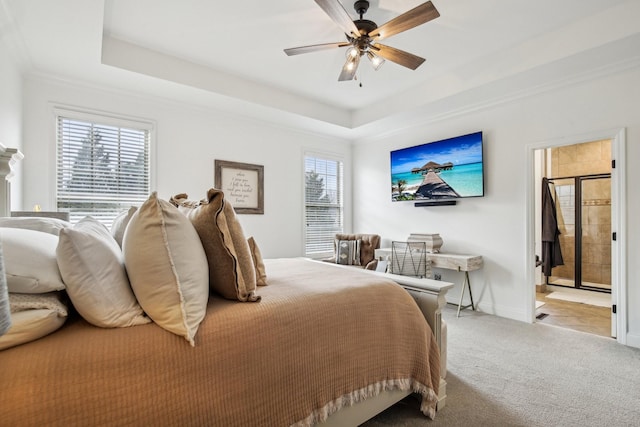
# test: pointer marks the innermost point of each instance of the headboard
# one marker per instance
(8, 158)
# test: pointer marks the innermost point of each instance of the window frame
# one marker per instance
(341, 175)
(105, 119)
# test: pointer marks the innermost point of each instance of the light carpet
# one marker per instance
(508, 373)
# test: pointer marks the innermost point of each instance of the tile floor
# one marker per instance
(574, 315)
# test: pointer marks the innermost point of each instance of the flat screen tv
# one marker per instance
(441, 170)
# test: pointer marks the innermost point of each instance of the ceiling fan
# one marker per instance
(363, 36)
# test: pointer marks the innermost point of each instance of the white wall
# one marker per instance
(187, 140)
(11, 115)
(495, 226)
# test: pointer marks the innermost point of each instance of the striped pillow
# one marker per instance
(348, 252)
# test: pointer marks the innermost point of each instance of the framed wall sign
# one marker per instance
(243, 185)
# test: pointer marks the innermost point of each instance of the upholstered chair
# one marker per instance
(368, 245)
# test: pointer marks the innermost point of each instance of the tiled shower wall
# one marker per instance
(581, 159)
(577, 160)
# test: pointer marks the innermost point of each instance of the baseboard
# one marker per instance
(633, 340)
(496, 310)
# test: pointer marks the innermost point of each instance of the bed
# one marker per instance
(318, 344)
(320, 339)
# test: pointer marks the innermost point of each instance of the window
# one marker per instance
(102, 165)
(323, 204)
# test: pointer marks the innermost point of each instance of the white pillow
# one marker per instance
(44, 224)
(120, 223)
(93, 271)
(30, 261)
(167, 267)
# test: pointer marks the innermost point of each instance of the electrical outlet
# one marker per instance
(437, 276)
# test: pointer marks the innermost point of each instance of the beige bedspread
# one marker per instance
(321, 338)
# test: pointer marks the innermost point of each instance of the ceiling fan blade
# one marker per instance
(336, 11)
(398, 56)
(349, 69)
(408, 20)
(313, 48)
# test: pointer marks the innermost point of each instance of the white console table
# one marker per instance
(457, 262)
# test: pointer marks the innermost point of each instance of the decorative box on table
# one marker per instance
(433, 241)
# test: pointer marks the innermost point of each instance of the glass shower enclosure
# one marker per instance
(583, 210)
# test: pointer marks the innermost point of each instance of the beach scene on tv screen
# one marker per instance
(447, 169)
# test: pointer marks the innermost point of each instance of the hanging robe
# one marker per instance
(551, 252)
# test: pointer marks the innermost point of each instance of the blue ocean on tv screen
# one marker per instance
(466, 180)
(449, 168)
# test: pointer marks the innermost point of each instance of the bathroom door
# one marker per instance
(595, 233)
(583, 207)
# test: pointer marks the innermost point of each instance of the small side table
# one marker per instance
(457, 262)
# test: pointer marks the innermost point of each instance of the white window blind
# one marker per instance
(102, 168)
(323, 203)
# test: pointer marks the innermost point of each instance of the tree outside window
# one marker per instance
(323, 205)
(102, 169)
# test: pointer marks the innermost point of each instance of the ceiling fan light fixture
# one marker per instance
(363, 35)
(349, 69)
(352, 52)
(352, 62)
(376, 61)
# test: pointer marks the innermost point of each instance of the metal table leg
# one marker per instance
(466, 284)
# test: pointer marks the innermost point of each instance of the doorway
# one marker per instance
(580, 177)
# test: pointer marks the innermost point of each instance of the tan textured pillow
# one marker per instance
(120, 223)
(167, 267)
(256, 255)
(231, 270)
(92, 267)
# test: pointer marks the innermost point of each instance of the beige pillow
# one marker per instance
(258, 263)
(231, 270)
(167, 267)
(30, 261)
(29, 326)
(93, 271)
(33, 316)
(120, 223)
